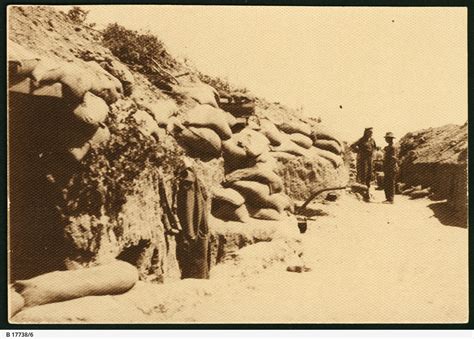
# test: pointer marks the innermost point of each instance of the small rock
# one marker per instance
(298, 269)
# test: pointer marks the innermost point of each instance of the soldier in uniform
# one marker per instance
(365, 147)
(390, 168)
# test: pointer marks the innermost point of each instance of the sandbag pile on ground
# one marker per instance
(202, 93)
(251, 158)
(114, 278)
(417, 192)
(229, 205)
(87, 90)
(203, 129)
(291, 139)
(250, 173)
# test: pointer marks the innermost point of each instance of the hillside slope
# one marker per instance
(437, 158)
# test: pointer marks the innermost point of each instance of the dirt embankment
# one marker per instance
(84, 192)
(437, 158)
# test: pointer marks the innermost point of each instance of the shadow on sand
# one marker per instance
(447, 216)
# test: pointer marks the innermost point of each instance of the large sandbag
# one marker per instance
(21, 69)
(209, 117)
(336, 160)
(233, 152)
(229, 212)
(92, 110)
(268, 160)
(274, 135)
(78, 153)
(301, 140)
(409, 190)
(228, 195)
(201, 140)
(255, 193)
(16, 302)
(146, 124)
(266, 214)
(115, 278)
(280, 202)
(328, 145)
(122, 73)
(231, 120)
(161, 110)
(283, 156)
(104, 84)
(321, 131)
(203, 94)
(290, 147)
(294, 126)
(254, 142)
(77, 81)
(259, 173)
(101, 135)
(420, 193)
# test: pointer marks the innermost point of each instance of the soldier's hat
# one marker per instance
(369, 128)
(389, 135)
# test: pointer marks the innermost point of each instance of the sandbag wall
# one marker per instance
(90, 148)
(257, 158)
(446, 181)
(436, 159)
(84, 169)
(56, 115)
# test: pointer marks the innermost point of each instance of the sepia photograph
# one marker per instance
(185, 164)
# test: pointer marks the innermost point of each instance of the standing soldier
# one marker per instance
(365, 148)
(390, 166)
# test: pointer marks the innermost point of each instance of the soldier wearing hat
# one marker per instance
(365, 147)
(390, 168)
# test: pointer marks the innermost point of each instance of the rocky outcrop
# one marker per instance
(437, 158)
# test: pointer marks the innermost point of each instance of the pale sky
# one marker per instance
(395, 69)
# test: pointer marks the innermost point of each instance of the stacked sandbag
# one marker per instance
(419, 193)
(327, 144)
(228, 205)
(161, 110)
(244, 149)
(292, 139)
(258, 197)
(203, 129)
(259, 173)
(114, 278)
(122, 73)
(209, 117)
(201, 93)
(16, 302)
(77, 79)
(101, 135)
(92, 110)
(146, 124)
(273, 134)
(200, 141)
(87, 90)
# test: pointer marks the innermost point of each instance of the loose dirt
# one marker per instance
(371, 263)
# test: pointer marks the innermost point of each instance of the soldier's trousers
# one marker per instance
(389, 185)
(364, 167)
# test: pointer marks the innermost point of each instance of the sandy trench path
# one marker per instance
(371, 263)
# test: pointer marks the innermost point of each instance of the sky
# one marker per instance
(393, 69)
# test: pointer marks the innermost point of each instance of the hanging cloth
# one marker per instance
(193, 242)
